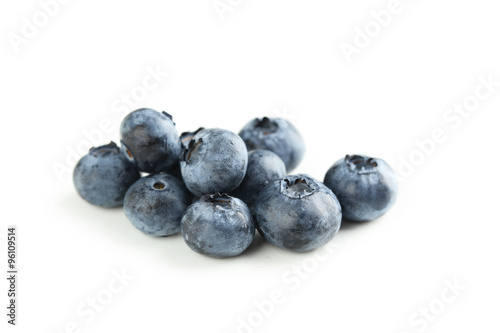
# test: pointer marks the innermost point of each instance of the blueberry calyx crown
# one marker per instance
(127, 152)
(192, 148)
(104, 149)
(361, 164)
(266, 125)
(169, 116)
(187, 136)
(219, 199)
(297, 187)
(158, 185)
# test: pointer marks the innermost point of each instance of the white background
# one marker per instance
(277, 58)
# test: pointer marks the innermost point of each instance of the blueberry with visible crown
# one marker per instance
(103, 176)
(297, 213)
(366, 187)
(215, 161)
(218, 225)
(149, 139)
(277, 135)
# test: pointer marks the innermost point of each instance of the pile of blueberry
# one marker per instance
(216, 187)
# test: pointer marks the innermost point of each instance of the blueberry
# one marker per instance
(215, 161)
(155, 204)
(103, 176)
(150, 140)
(366, 187)
(297, 213)
(264, 166)
(218, 225)
(277, 135)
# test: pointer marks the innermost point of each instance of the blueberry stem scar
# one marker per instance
(159, 186)
(193, 147)
(361, 164)
(297, 189)
(217, 198)
(267, 125)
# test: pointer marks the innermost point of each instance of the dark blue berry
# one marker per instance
(103, 176)
(297, 213)
(277, 135)
(218, 225)
(366, 187)
(149, 139)
(155, 204)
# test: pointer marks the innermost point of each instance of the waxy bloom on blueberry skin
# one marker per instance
(150, 140)
(264, 166)
(366, 187)
(297, 213)
(155, 204)
(103, 176)
(215, 161)
(218, 225)
(277, 135)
